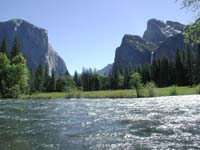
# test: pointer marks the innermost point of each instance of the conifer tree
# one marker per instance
(3, 47)
(16, 48)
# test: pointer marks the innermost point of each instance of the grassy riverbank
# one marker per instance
(113, 93)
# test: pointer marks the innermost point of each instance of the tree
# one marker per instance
(179, 68)
(20, 73)
(52, 82)
(77, 79)
(40, 78)
(3, 47)
(65, 83)
(16, 48)
(197, 69)
(193, 5)
(14, 75)
(4, 74)
(189, 66)
(164, 71)
(136, 82)
(155, 71)
(146, 73)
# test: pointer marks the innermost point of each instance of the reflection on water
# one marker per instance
(155, 123)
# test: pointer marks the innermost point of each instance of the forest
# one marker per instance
(182, 70)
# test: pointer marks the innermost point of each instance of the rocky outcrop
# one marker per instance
(169, 47)
(33, 43)
(160, 38)
(158, 31)
(134, 50)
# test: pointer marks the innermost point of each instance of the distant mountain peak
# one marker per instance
(158, 31)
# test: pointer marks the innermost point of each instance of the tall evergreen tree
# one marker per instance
(198, 64)
(189, 66)
(40, 78)
(3, 47)
(16, 48)
(52, 84)
(164, 71)
(179, 68)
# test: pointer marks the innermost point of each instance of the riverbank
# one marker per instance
(167, 91)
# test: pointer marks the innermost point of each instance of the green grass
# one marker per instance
(110, 93)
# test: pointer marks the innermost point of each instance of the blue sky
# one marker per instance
(86, 32)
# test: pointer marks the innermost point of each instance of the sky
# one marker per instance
(86, 33)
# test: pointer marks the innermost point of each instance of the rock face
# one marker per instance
(133, 50)
(169, 47)
(158, 31)
(33, 43)
(106, 70)
(160, 38)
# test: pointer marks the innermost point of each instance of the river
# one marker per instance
(114, 124)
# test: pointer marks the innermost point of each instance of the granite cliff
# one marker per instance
(34, 44)
(160, 38)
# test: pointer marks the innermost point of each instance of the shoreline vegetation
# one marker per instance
(146, 92)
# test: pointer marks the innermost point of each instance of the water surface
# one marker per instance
(149, 123)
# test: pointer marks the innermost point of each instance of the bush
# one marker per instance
(150, 89)
(198, 89)
(173, 91)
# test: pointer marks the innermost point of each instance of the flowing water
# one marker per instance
(114, 124)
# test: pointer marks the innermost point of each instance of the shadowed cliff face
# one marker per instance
(159, 37)
(133, 51)
(34, 45)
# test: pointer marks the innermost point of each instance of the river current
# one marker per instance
(96, 124)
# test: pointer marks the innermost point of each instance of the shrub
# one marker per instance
(150, 89)
(173, 91)
(198, 89)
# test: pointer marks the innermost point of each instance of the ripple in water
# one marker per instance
(149, 123)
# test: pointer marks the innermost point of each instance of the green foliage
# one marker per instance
(3, 47)
(179, 72)
(150, 88)
(40, 77)
(15, 49)
(14, 75)
(173, 91)
(191, 33)
(65, 84)
(198, 89)
(136, 82)
(52, 82)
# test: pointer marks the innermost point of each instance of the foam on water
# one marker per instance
(147, 123)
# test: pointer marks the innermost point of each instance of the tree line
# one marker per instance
(16, 79)
(182, 70)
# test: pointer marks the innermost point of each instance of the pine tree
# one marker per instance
(146, 73)
(52, 83)
(40, 78)
(189, 67)
(164, 71)
(15, 49)
(198, 64)
(3, 47)
(76, 79)
(179, 68)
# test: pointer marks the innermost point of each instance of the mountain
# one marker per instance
(160, 38)
(157, 31)
(106, 70)
(34, 44)
(132, 51)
